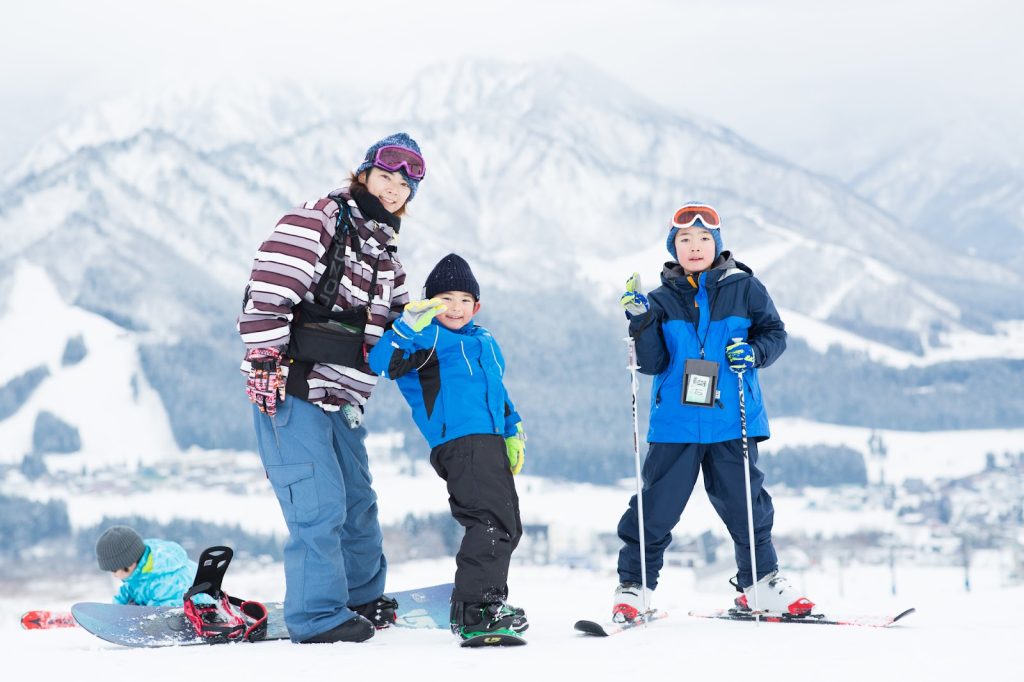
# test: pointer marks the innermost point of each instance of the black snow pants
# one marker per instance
(482, 496)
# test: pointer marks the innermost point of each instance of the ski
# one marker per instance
(605, 629)
(158, 626)
(47, 620)
(810, 619)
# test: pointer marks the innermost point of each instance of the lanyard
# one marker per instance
(711, 301)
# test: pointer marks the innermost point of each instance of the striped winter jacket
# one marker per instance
(288, 267)
(688, 313)
(452, 380)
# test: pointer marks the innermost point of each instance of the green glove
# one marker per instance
(515, 448)
(417, 315)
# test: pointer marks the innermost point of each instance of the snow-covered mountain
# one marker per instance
(554, 180)
(961, 186)
(555, 161)
(99, 392)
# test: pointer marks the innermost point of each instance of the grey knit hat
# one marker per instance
(118, 547)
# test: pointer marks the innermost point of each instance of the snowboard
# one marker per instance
(46, 620)
(605, 629)
(883, 621)
(158, 626)
(493, 639)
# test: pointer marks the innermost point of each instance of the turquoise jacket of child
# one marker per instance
(689, 314)
(161, 578)
(452, 380)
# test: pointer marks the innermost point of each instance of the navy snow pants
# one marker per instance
(669, 474)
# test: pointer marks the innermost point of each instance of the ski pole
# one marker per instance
(746, 480)
(633, 367)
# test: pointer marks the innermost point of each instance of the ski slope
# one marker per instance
(953, 636)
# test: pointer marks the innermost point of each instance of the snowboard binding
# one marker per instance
(222, 618)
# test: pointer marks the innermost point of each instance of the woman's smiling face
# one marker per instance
(391, 189)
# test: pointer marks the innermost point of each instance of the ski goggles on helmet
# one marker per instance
(688, 215)
(393, 158)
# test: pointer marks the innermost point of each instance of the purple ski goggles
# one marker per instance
(392, 158)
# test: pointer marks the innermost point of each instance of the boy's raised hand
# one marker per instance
(417, 315)
(515, 448)
(633, 301)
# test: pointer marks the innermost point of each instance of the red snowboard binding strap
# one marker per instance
(226, 619)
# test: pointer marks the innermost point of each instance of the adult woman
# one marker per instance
(323, 287)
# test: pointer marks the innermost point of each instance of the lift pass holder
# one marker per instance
(700, 383)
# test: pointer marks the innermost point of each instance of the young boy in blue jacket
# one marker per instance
(710, 313)
(153, 572)
(450, 371)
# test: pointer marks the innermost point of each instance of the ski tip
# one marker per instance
(46, 620)
(589, 627)
(905, 614)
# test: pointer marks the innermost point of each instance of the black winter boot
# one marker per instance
(356, 629)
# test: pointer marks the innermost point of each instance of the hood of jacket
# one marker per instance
(725, 267)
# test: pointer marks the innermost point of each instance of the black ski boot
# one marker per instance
(382, 611)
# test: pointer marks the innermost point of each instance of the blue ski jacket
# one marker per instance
(163, 575)
(452, 380)
(696, 317)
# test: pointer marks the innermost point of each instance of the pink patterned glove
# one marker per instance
(266, 379)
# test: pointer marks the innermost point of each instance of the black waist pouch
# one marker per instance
(319, 334)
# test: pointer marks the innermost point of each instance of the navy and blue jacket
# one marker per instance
(452, 380)
(696, 317)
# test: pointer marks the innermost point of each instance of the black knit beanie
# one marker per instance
(452, 273)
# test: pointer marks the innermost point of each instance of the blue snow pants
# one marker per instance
(669, 474)
(334, 556)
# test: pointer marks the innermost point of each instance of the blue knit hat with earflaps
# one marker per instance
(396, 140)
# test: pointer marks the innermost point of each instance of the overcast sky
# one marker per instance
(812, 80)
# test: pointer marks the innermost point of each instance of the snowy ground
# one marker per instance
(954, 635)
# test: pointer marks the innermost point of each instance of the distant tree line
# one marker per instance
(819, 466)
(840, 387)
(25, 523)
(16, 391)
(43, 528)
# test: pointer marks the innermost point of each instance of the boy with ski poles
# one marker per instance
(710, 311)
(450, 371)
